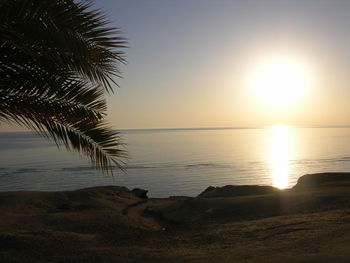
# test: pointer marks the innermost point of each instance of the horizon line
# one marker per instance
(214, 128)
(234, 127)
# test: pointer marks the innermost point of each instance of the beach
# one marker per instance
(307, 223)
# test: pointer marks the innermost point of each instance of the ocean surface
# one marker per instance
(180, 161)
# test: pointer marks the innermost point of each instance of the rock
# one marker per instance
(237, 190)
(141, 193)
(321, 179)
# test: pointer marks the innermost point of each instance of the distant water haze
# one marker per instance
(180, 162)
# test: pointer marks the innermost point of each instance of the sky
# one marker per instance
(191, 62)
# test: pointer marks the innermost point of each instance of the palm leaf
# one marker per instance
(57, 57)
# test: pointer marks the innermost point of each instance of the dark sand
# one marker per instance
(308, 223)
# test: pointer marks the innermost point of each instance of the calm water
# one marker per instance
(180, 162)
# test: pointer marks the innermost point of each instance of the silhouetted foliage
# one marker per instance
(57, 60)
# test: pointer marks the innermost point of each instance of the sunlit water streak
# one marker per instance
(181, 162)
(281, 152)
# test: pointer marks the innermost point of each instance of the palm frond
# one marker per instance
(57, 57)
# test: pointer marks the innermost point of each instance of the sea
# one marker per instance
(179, 162)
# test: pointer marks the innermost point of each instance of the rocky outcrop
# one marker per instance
(111, 205)
(322, 179)
(141, 193)
(237, 190)
(233, 203)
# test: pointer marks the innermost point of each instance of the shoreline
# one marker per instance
(311, 179)
(222, 224)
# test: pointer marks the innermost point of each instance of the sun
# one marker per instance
(280, 82)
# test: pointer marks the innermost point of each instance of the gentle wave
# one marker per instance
(211, 165)
(79, 168)
(176, 165)
(321, 160)
(21, 170)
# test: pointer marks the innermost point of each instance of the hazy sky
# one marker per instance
(189, 61)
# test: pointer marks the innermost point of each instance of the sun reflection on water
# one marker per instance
(280, 152)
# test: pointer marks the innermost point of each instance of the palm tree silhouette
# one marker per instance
(58, 58)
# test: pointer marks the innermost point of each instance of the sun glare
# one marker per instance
(280, 153)
(281, 83)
